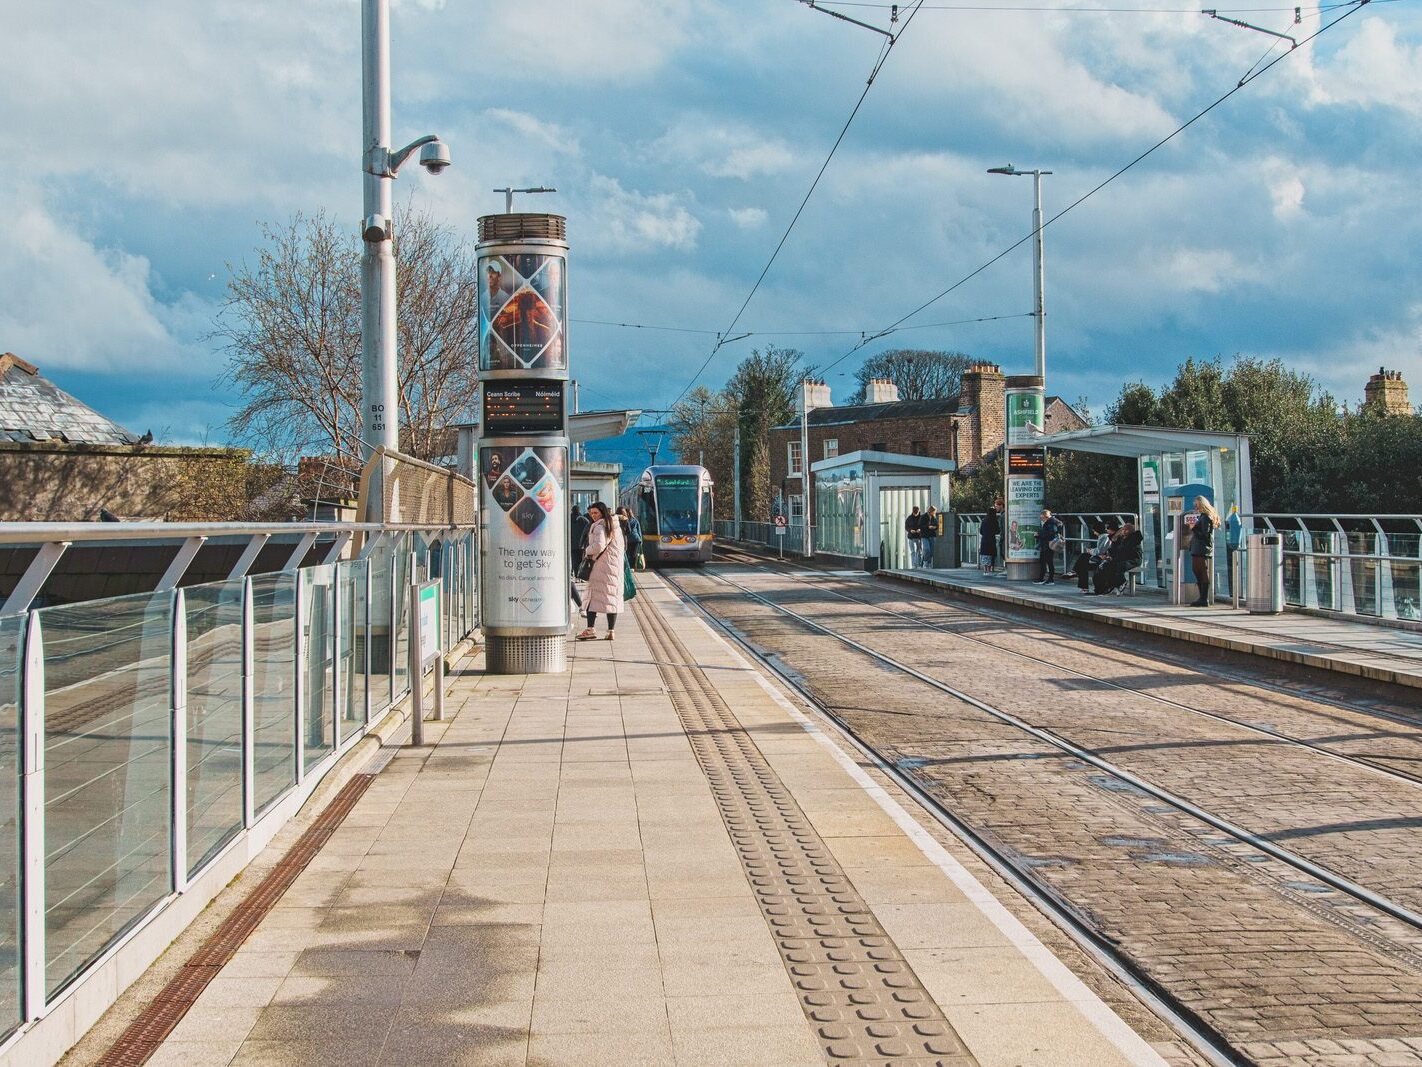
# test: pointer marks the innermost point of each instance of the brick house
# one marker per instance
(965, 428)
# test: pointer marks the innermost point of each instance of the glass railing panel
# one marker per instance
(273, 687)
(107, 770)
(380, 629)
(11, 678)
(353, 642)
(214, 718)
(401, 674)
(318, 589)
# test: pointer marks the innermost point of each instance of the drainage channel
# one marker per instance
(137, 1044)
(859, 993)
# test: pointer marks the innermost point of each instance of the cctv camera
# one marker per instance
(434, 157)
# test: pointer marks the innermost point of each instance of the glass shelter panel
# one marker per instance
(353, 635)
(381, 631)
(273, 686)
(107, 773)
(839, 511)
(11, 667)
(214, 718)
(318, 589)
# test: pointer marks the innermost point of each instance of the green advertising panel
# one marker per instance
(1026, 415)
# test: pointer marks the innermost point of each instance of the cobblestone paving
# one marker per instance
(1285, 969)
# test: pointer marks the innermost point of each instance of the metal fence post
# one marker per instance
(337, 703)
(249, 731)
(299, 617)
(367, 643)
(32, 852)
(178, 734)
(412, 649)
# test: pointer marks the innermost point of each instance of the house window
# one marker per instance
(797, 508)
(878, 446)
(920, 448)
(793, 451)
(831, 447)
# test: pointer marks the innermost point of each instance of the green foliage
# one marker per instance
(920, 374)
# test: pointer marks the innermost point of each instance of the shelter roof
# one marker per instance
(886, 461)
(1139, 440)
(33, 409)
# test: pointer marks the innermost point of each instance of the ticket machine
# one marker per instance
(1179, 522)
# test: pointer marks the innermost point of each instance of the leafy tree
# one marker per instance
(703, 428)
(291, 325)
(762, 392)
(920, 374)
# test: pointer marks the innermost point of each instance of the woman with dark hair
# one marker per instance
(607, 549)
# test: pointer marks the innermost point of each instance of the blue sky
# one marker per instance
(150, 138)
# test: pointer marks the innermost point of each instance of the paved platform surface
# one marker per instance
(577, 869)
(1380, 653)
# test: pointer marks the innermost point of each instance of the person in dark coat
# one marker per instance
(1202, 551)
(913, 528)
(989, 533)
(632, 531)
(1051, 528)
(577, 541)
(1089, 560)
(1124, 555)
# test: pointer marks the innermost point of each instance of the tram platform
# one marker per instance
(1363, 649)
(653, 858)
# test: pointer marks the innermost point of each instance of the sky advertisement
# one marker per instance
(522, 307)
(526, 570)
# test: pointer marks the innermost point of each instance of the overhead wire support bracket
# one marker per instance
(1214, 14)
(845, 18)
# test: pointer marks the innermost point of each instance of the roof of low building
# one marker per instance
(33, 409)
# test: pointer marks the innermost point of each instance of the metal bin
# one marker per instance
(1265, 592)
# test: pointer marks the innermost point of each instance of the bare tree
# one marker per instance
(920, 374)
(291, 326)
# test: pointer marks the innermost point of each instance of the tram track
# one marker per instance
(1398, 940)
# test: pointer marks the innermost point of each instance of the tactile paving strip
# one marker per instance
(859, 993)
(137, 1044)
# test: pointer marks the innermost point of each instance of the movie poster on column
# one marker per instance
(525, 542)
(522, 310)
(1024, 516)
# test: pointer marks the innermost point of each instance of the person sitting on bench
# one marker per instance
(1123, 556)
(1088, 562)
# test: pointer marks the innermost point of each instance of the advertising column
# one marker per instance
(523, 443)
(1025, 475)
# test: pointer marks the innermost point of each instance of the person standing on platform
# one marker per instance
(1049, 539)
(577, 539)
(606, 551)
(632, 531)
(988, 532)
(913, 529)
(1202, 551)
(926, 536)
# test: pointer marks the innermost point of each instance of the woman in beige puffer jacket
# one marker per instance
(607, 549)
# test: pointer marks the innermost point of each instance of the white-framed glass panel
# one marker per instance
(1198, 464)
(214, 717)
(793, 452)
(831, 447)
(11, 674)
(797, 508)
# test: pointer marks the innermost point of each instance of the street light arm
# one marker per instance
(395, 160)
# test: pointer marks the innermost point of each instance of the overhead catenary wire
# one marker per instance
(1064, 9)
(796, 333)
(1352, 8)
(885, 50)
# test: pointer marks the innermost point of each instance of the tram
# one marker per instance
(673, 502)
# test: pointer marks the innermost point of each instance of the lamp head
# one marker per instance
(1009, 169)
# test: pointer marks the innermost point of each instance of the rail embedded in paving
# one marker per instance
(159, 737)
(1215, 922)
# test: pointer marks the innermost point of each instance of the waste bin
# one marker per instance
(1265, 592)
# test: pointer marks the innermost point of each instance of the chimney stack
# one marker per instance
(813, 394)
(1387, 392)
(881, 391)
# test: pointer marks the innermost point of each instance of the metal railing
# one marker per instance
(154, 736)
(1079, 538)
(1364, 565)
(763, 533)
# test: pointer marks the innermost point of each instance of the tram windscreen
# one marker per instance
(678, 502)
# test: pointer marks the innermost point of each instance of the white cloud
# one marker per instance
(1288, 197)
(722, 151)
(1373, 68)
(74, 305)
(629, 221)
(747, 218)
(549, 134)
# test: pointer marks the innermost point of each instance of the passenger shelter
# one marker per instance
(862, 499)
(1173, 466)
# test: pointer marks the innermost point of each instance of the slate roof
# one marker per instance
(33, 409)
(898, 409)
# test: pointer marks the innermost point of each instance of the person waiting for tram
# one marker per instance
(988, 533)
(603, 563)
(1049, 539)
(1091, 558)
(913, 530)
(1202, 551)
(1123, 556)
(926, 535)
(632, 533)
(577, 541)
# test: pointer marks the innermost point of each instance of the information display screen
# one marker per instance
(1032, 461)
(523, 407)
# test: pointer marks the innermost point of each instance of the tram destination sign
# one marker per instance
(1032, 461)
(523, 407)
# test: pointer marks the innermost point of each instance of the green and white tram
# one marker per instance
(673, 502)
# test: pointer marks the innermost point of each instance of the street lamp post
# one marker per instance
(379, 388)
(1039, 270)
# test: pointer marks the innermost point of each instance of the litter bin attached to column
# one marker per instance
(1265, 592)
